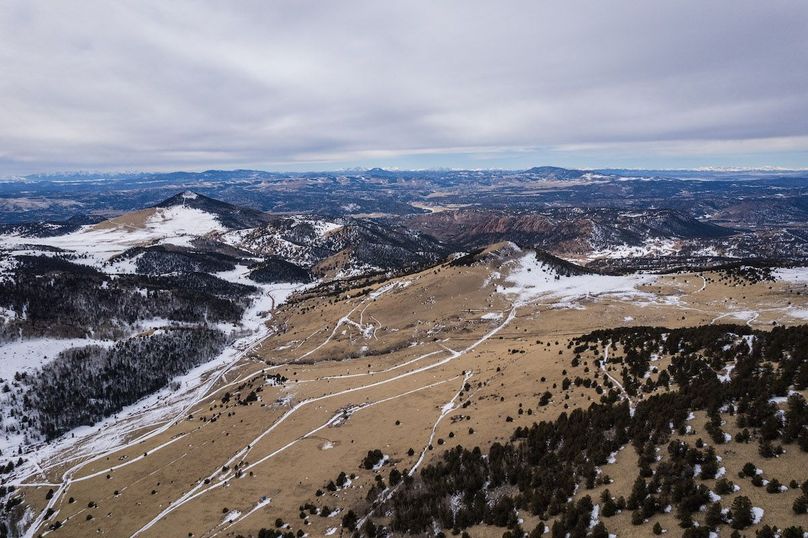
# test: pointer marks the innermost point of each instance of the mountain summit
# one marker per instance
(231, 216)
(554, 172)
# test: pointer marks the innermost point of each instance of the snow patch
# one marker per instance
(399, 284)
(530, 279)
(594, 519)
(382, 462)
(791, 274)
(28, 355)
(231, 517)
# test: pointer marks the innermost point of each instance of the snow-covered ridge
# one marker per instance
(96, 244)
(649, 247)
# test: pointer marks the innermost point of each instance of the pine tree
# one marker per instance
(599, 531)
(638, 494)
(609, 508)
(800, 505)
(713, 518)
(349, 520)
(741, 512)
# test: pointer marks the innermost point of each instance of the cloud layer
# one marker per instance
(314, 85)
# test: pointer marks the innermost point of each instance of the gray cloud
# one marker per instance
(112, 85)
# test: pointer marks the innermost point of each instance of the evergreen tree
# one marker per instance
(713, 518)
(741, 512)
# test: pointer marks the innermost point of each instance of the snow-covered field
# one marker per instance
(650, 247)
(28, 355)
(796, 275)
(799, 313)
(530, 279)
(96, 244)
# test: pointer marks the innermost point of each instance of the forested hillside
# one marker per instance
(544, 466)
(84, 385)
(50, 296)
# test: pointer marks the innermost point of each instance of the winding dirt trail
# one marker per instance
(199, 489)
(602, 365)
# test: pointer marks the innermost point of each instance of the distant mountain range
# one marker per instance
(335, 243)
(392, 193)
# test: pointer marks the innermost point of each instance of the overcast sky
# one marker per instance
(303, 85)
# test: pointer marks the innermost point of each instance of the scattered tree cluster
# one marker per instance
(543, 466)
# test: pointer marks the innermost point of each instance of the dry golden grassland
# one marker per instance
(383, 370)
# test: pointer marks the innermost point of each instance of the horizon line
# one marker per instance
(713, 169)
